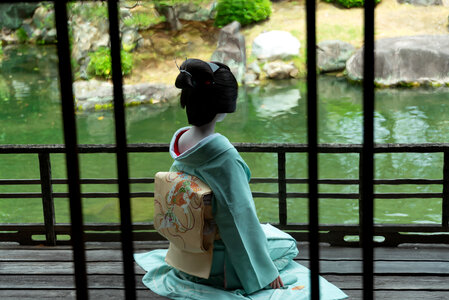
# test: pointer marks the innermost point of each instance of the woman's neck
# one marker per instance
(194, 135)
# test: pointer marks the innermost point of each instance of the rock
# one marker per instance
(275, 44)
(280, 70)
(254, 68)
(195, 12)
(130, 39)
(251, 79)
(253, 74)
(422, 2)
(125, 13)
(7, 36)
(12, 15)
(231, 49)
(88, 37)
(91, 34)
(97, 95)
(50, 36)
(43, 17)
(332, 55)
(408, 60)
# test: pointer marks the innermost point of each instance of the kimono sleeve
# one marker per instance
(238, 225)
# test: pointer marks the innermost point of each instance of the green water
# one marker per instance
(30, 114)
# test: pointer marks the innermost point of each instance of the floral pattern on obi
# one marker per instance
(179, 211)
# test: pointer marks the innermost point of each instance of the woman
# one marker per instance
(248, 256)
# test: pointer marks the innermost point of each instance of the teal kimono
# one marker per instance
(246, 258)
(250, 255)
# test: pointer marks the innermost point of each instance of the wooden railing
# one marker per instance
(393, 234)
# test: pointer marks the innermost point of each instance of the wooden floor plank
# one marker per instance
(109, 294)
(326, 253)
(400, 295)
(65, 282)
(37, 282)
(388, 282)
(40, 272)
(326, 267)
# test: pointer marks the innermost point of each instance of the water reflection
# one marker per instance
(30, 114)
(275, 100)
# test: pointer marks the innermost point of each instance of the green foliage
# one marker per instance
(89, 11)
(100, 63)
(1, 49)
(22, 35)
(244, 11)
(350, 3)
(143, 20)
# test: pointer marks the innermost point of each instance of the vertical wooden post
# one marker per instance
(445, 204)
(71, 149)
(122, 153)
(282, 189)
(312, 152)
(47, 198)
(360, 196)
(367, 184)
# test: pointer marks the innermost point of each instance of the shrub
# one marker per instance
(244, 11)
(100, 63)
(1, 49)
(22, 35)
(350, 3)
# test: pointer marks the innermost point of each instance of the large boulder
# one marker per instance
(98, 95)
(194, 12)
(332, 55)
(231, 49)
(275, 44)
(12, 15)
(408, 60)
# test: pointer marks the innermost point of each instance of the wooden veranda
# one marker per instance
(97, 265)
(410, 271)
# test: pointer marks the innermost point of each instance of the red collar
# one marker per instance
(176, 148)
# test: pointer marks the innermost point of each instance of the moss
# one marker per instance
(129, 47)
(22, 35)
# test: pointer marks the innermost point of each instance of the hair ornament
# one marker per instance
(182, 71)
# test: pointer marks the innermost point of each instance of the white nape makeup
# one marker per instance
(220, 117)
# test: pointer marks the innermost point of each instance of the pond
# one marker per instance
(30, 113)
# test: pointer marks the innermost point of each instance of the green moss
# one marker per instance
(129, 48)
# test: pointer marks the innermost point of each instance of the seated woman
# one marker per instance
(250, 260)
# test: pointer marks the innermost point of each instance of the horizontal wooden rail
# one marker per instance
(241, 147)
(333, 233)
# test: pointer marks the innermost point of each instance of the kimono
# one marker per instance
(249, 255)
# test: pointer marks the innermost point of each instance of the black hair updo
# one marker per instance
(207, 90)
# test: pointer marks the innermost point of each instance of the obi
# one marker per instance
(183, 215)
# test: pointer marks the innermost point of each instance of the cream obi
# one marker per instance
(183, 215)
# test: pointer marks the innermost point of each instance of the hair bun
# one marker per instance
(184, 80)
